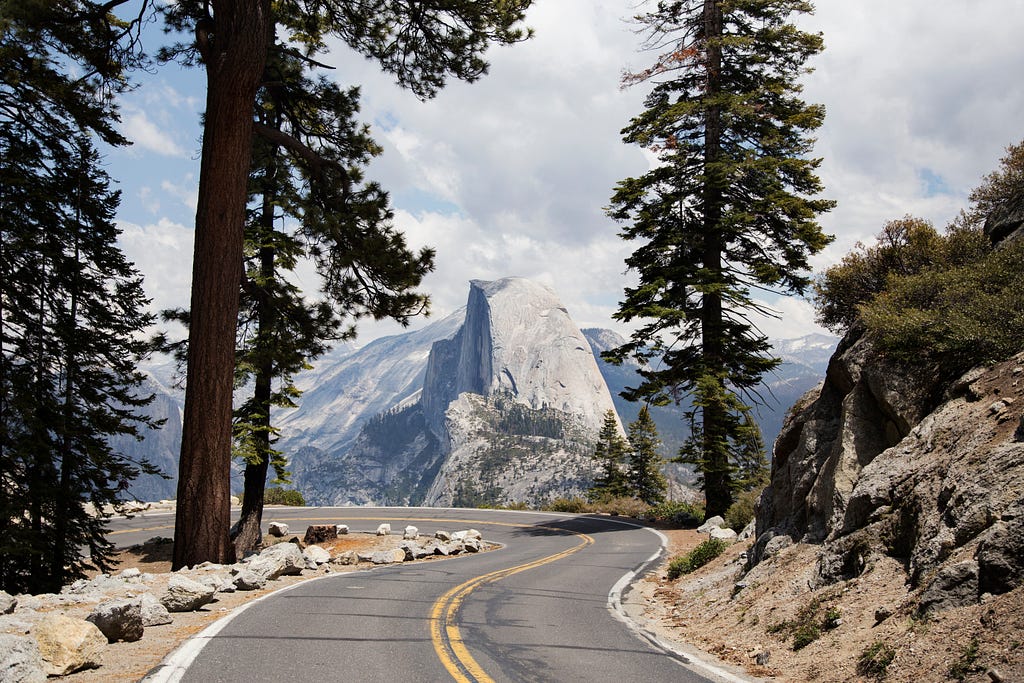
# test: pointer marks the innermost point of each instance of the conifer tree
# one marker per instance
(421, 44)
(644, 478)
(728, 208)
(70, 304)
(610, 454)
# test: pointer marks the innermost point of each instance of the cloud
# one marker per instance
(137, 126)
(162, 251)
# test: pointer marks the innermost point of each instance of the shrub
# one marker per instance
(626, 507)
(574, 504)
(696, 558)
(741, 512)
(967, 664)
(875, 659)
(677, 515)
(279, 496)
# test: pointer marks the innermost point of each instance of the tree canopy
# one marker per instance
(730, 207)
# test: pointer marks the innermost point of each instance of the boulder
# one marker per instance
(414, 551)
(315, 556)
(1001, 554)
(20, 661)
(278, 529)
(283, 559)
(185, 595)
(723, 533)
(342, 529)
(319, 533)
(713, 523)
(442, 535)
(473, 533)
(248, 580)
(7, 603)
(118, 620)
(153, 611)
(953, 586)
(67, 645)
(346, 558)
(411, 533)
(388, 556)
(384, 529)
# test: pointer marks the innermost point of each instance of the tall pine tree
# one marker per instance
(71, 315)
(728, 208)
(421, 44)
(610, 453)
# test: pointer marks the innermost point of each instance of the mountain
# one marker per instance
(497, 403)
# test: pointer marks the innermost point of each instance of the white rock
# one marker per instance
(710, 524)
(384, 529)
(342, 529)
(7, 603)
(153, 611)
(185, 595)
(283, 559)
(411, 533)
(473, 533)
(723, 533)
(443, 535)
(315, 556)
(118, 620)
(20, 661)
(278, 529)
(388, 556)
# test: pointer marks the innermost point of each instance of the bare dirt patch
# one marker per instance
(761, 621)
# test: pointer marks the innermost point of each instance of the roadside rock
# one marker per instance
(153, 611)
(67, 645)
(118, 620)
(713, 523)
(283, 559)
(723, 533)
(278, 529)
(315, 556)
(7, 603)
(411, 533)
(248, 580)
(20, 661)
(384, 529)
(185, 595)
(388, 556)
(342, 529)
(318, 533)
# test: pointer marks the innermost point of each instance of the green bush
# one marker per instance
(696, 558)
(875, 659)
(279, 496)
(625, 507)
(677, 515)
(741, 512)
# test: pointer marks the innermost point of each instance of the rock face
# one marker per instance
(505, 410)
(877, 462)
(1006, 223)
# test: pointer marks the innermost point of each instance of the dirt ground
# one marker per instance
(742, 625)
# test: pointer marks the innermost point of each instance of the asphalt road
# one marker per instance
(539, 609)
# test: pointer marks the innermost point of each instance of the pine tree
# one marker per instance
(727, 209)
(610, 454)
(344, 226)
(644, 478)
(70, 304)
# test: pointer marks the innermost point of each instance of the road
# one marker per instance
(538, 609)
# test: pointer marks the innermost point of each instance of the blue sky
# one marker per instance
(509, 176)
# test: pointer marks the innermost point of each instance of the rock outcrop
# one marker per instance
(875, 461)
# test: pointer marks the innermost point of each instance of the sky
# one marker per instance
(510, 175)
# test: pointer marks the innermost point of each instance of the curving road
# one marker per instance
(539, 609)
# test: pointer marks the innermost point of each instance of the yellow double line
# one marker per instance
(444, 633)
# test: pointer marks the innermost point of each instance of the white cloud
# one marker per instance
(137, 126)
(162, 251)
(509, 176)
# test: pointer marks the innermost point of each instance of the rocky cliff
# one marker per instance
(877, 461)
(502, 409)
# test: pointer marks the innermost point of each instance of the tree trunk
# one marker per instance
(715, 455)
(235, 55)
(248, 532)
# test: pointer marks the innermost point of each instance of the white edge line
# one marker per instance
(174, 665)
(615, 607)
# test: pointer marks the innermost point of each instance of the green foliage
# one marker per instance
(904, 247)
(575, 505)
(610, 454)
(728, 207)
(276, 495)
(644, 478)
(742, 510)
(952, 319)
(677, 514)
(874, 661)
(696, 558)
(809, 623)
(967, 662)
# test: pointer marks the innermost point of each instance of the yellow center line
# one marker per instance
(444, 632)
